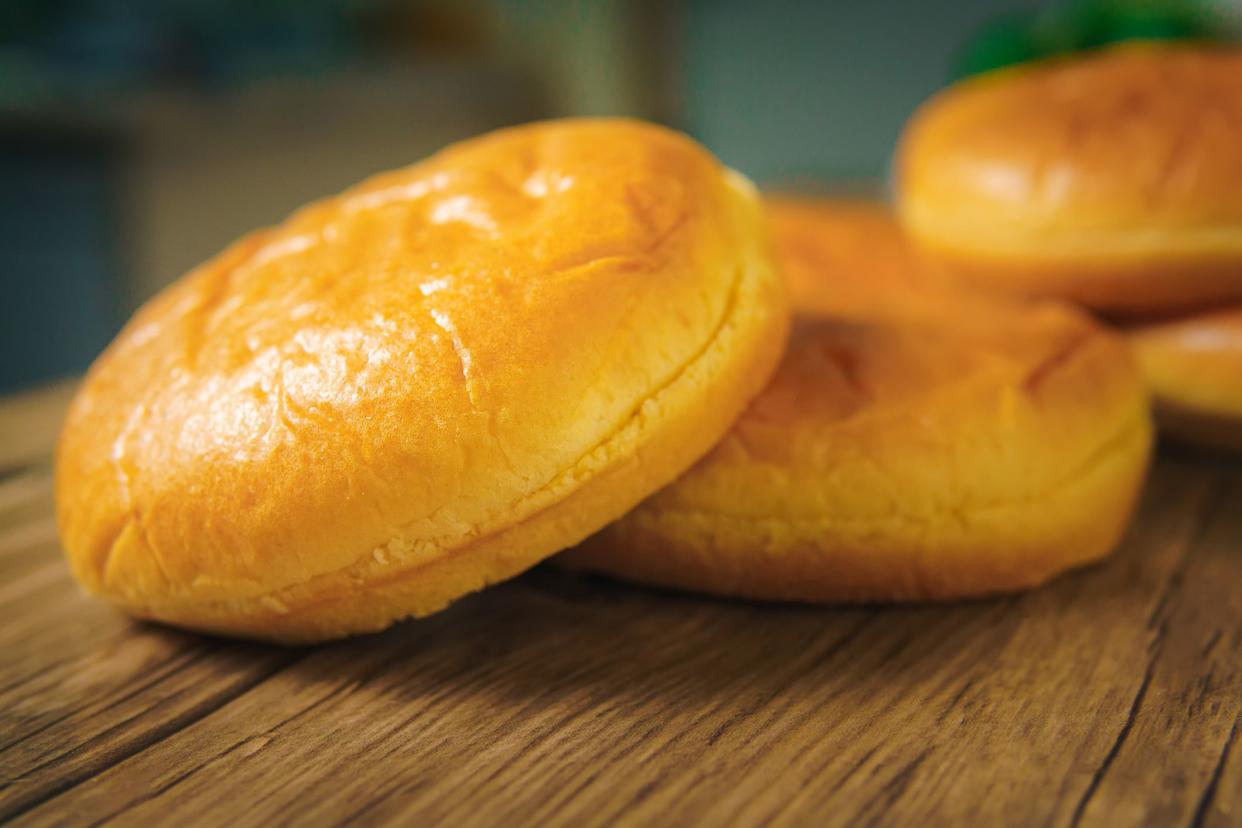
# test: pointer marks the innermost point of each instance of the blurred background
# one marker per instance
(138, 137)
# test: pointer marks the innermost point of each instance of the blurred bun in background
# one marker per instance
(1194, 368)
(1113, 178)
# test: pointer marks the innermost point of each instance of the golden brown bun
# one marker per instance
(914, 444)
(421, 386)
(1113, 179)
(1193, 368)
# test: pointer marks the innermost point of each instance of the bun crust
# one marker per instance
(1114, 179)
(421, 386)
(915, 444)
(1193, 367)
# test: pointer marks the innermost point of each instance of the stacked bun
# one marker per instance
(422, 386)
(1112, 179)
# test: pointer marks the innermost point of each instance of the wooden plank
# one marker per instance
(1221, 802)
(27, 521)
(32, 422)
(1183, 725)
(1108, 697)
(47, 619)
(22, 491)
(82, 687)
(575, 701)
(165, 682)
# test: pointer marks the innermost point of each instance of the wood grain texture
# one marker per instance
(31, 422)
(1111, 697)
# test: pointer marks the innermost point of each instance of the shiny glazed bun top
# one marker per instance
(403, 373)
(1115, 146)
(1114, 179)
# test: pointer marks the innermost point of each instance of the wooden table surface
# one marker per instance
(1111, 697)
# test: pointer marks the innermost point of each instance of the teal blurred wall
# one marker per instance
(788, 89)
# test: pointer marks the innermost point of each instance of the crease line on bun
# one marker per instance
(1095, 458)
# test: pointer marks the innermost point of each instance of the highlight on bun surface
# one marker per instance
(1113, 179)
(916, 443)
(421, 386)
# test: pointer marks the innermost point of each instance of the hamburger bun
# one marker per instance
(1112, 179)
(916, 443)
(1193, 368)
(421, 386)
